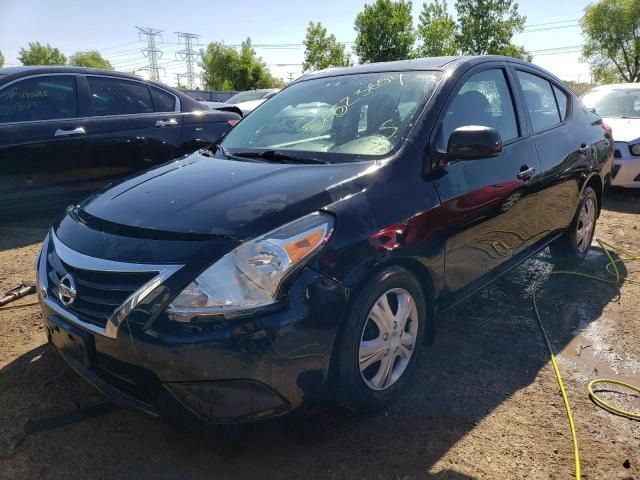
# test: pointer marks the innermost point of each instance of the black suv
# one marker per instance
(66, 131)
(313, 250)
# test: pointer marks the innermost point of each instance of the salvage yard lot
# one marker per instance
(484, 403)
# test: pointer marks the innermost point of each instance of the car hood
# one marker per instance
(624, 129)
(213, 196)
(250, 105)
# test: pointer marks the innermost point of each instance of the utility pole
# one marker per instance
(189, 55)
(152, 52)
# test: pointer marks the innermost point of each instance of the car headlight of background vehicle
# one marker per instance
(635, 149)
(250, 276)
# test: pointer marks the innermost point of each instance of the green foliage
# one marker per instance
(1, 59)
(385, 31)
(38, 54)
(436, 30)
(322, 50)
(91, 59)
(486, 27)
(224, 68)
(612, 47)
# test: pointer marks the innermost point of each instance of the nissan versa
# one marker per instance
(310, 252)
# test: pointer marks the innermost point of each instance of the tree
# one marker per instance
(486, 27)
(612, 32)
(385, 31)
(436, 30)
(38, 54)
(1, 59)
(322, 50)
(224, 68)
(90, 58)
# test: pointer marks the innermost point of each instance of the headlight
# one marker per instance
(250, 276)
(635, 149)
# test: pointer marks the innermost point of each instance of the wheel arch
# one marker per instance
(596, 183)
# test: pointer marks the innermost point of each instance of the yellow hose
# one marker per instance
(612, 265)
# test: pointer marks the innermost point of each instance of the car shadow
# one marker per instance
(622, 200)
(18, 231)
(487, 349)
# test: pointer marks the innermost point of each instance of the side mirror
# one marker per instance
(474, 142)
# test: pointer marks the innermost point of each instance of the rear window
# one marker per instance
(163, 101)
(114, 96)
(39, 98)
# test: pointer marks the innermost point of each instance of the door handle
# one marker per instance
(526, 173)
(584, 148)
(61, 132)
(166, 123)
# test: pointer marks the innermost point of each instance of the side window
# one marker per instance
(484, 99)
(113, 96)
(540, 101)
(562, 100)
(163, 101)
(39, 98)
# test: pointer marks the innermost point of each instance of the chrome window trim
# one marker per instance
(85, 262)
(29, 77)
(149, 85)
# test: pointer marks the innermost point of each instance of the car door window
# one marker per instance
(540, 100)
(163, 101)
(561, 98)
(39, 98)
(484, 99)
(114, 96)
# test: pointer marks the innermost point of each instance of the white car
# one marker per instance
(619, 107)
(251, 99)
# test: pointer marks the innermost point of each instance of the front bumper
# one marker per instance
(235, 371)
(626, 167)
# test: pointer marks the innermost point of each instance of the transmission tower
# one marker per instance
(189, 55)
(152, 52)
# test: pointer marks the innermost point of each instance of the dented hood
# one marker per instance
(239, 199)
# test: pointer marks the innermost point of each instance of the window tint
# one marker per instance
(540, 100)
(112, 96)
(39, 98)
(163, 101)
(483, 100)
(561, 98)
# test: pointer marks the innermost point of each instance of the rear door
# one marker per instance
(562, 146)
(43, 143)
(491, 204)
(132, 127)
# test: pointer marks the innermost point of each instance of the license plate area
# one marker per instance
(72, 341)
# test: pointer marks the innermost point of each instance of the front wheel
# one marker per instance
(381, 339)
(574, 244)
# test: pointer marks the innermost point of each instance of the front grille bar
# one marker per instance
(84, 262)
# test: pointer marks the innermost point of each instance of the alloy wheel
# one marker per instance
(388, 339)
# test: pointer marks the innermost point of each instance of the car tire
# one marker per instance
(574, 244)
(372, 364)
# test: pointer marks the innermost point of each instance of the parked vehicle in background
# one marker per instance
(311, 255)
(250, 100)
(221, 106)
(619, 107)
(66, 131)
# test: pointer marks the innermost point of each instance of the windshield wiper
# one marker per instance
(276, 156)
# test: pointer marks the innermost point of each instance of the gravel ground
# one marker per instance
(484, 403)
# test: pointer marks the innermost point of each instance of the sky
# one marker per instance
(277, 29)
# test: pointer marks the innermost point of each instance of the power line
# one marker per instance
(189, 55)
(152, 52)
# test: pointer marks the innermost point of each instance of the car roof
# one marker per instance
(618, 86)
(15, 72)
(429, 63)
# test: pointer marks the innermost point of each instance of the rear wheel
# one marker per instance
(574, 244)
(381, 340)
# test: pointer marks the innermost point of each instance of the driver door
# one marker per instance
(491, 204)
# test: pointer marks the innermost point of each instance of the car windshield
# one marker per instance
(344, 117)
(614, 103)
